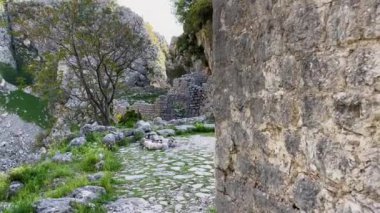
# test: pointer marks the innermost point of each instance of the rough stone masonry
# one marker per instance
(297, 105)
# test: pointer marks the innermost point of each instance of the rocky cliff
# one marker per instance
(297, 105)
(150, 70)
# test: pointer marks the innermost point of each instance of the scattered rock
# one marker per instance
(156, 142)
(182, 121)
(88, 193)
(119, 136)
(77, 142)
(144, 126)
(100, 165)
(63, 158)
(166, 132)
(4, 206)
(15, 188)
(95, 127)
(109, 140)
(128, 133)
(159, 122)
(95, 177)
(60, 205)
(124, 205)
(185, 128)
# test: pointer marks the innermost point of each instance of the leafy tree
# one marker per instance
(92, 39)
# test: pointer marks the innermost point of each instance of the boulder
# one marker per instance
(166, 132)
(119, 136)
(88, 194)
(109, 140)
(63, 158)
(124, 205)
(145, 126)
(14, 188)
(159, 122)
(95, 177)
(95, 127)
(77, 142)
(60, 205)
(100, 165)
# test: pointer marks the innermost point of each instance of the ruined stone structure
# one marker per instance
(297, 105)
(185, 99)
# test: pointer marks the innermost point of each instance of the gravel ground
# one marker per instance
(16, 141)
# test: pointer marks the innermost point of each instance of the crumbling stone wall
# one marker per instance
(297, 105)
(185, 99)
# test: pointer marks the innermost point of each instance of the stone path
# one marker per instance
(179, 180)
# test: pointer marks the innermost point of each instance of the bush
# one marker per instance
(129, 119)
(16, 77)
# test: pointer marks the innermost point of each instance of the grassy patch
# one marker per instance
(211, 210)
(200, 129)
(28, 107)
(4, 184)
(48, 179)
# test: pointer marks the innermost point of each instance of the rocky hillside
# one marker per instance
(18, 50)
(297, 105)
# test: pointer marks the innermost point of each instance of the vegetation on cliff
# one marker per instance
(94, 43)
(194, 15)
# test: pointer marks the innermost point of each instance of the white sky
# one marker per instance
(158, 13)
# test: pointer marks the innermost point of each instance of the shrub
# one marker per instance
(15, 77)
(130, 118)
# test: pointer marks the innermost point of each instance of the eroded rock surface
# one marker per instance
(17, 141)
(297, 105)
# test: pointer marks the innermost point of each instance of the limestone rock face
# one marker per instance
(297, 105)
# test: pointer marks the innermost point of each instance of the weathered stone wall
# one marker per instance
(185, 99)
(297, 105)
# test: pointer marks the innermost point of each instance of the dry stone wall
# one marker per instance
(296, 92)
(185, 99)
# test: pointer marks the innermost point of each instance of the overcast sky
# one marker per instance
(158, 13)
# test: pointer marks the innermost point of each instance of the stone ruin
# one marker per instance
(185, 99)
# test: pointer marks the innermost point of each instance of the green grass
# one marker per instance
(211, 210)
(40, 180)
(200, 129)
(4, 184)
(28, 107)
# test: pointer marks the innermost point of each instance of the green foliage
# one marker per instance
(15, 77)
(4, 184)
(194, 14)
(129, 119)
(138, 136)
(47, 80)
(200, 128)
(212, 210)
(47, 179)
(28, 107)
(179, 109)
